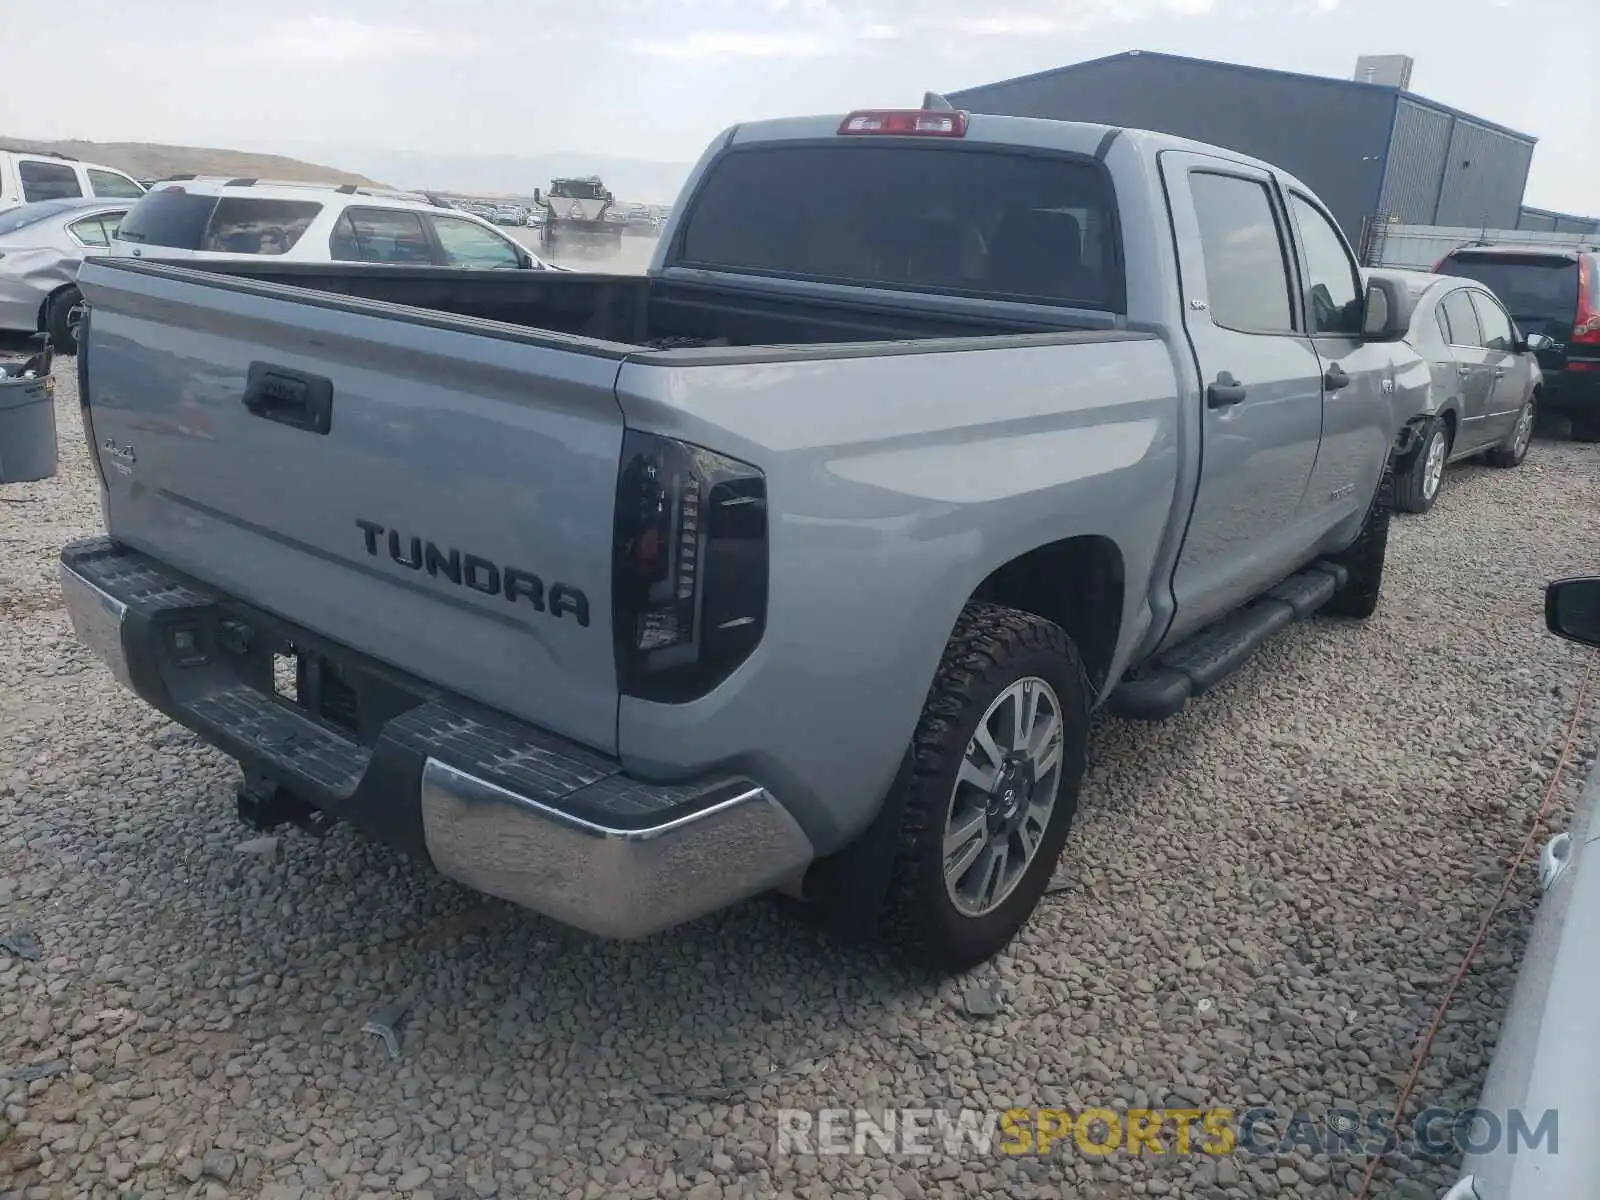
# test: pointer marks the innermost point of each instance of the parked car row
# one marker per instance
(43, 243)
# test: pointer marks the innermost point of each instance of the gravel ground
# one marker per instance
(1261, 903)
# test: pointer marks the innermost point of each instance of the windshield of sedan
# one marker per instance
(31, 214)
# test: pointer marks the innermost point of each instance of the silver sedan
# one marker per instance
(41, 247)
(1484, 393)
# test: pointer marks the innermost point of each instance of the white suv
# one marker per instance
(206, 218)
(26, 176)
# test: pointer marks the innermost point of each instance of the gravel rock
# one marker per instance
(1261, 902)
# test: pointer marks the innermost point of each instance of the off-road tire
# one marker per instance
(992, 648)
(62, 337)
(1410, 487)
(1363, 559)
(1506, 454)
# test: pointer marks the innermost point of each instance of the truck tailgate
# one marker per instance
(451, 516)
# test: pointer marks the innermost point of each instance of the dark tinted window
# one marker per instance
(1332, 294)
(1463, 321)
(168, 216)
(383, 235)
(253, 225)
(923, 218)
(1492, 321)
(47, 181)
(27, 214)
(1247, 278)
(1536, 289)
(109, 183)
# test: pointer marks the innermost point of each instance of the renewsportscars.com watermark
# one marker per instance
(1099, 1132)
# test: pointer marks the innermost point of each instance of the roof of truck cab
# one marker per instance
(1078, 137)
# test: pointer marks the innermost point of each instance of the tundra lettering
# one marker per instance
(479, 574)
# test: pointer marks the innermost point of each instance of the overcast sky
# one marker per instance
(655, 79)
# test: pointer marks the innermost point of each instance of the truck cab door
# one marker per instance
(1260, 385)
(1357, 376)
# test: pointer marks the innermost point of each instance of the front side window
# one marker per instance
(467, 244)
(1462, 320)
(381, 235)
(47, 180)
(1333, 291)
(1493, 321)
(253, 225)
(1247, 277)
(114, 185)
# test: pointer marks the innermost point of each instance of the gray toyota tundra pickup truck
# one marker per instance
(797, 564)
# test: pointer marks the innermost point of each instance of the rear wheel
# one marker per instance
(997, 760)
(1514, 449)
(59, 322)
(1421, 473)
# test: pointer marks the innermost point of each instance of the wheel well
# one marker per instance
(44, 307)
(1078, 583)
(1449, 416)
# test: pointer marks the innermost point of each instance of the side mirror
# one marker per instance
(1383, 314)
(1572, 609)
(1538, 342)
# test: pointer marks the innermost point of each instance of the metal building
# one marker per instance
(1542, 220)
(1367, 149)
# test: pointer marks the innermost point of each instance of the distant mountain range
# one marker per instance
(629, 179)
(504, 174)
(152, 160)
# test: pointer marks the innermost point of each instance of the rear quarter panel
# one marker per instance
(897, 481)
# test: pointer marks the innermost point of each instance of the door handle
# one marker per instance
(1335, 378)
(290, 398)
(1464, 369)
(1225, 392)
(1499, 372)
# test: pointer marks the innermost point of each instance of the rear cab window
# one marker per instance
(985, 222)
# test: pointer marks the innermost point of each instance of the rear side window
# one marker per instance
(1534, 288)
(1462, 321)
(110, 183)
(1247, 276)
(47, 181)
(168, 216)
(250, 225)
(381, 235)
(97, 230)
(919, 218)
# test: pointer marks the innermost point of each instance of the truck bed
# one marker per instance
(635, 311)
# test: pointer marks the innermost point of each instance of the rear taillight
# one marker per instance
(1586, 326)
(689, 580)
(913, 122)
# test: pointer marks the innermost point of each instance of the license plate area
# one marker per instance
(221, 646)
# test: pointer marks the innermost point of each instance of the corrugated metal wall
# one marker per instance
(1417, 154)
(1555, 222)
(1484, 177)
(1331, 133)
